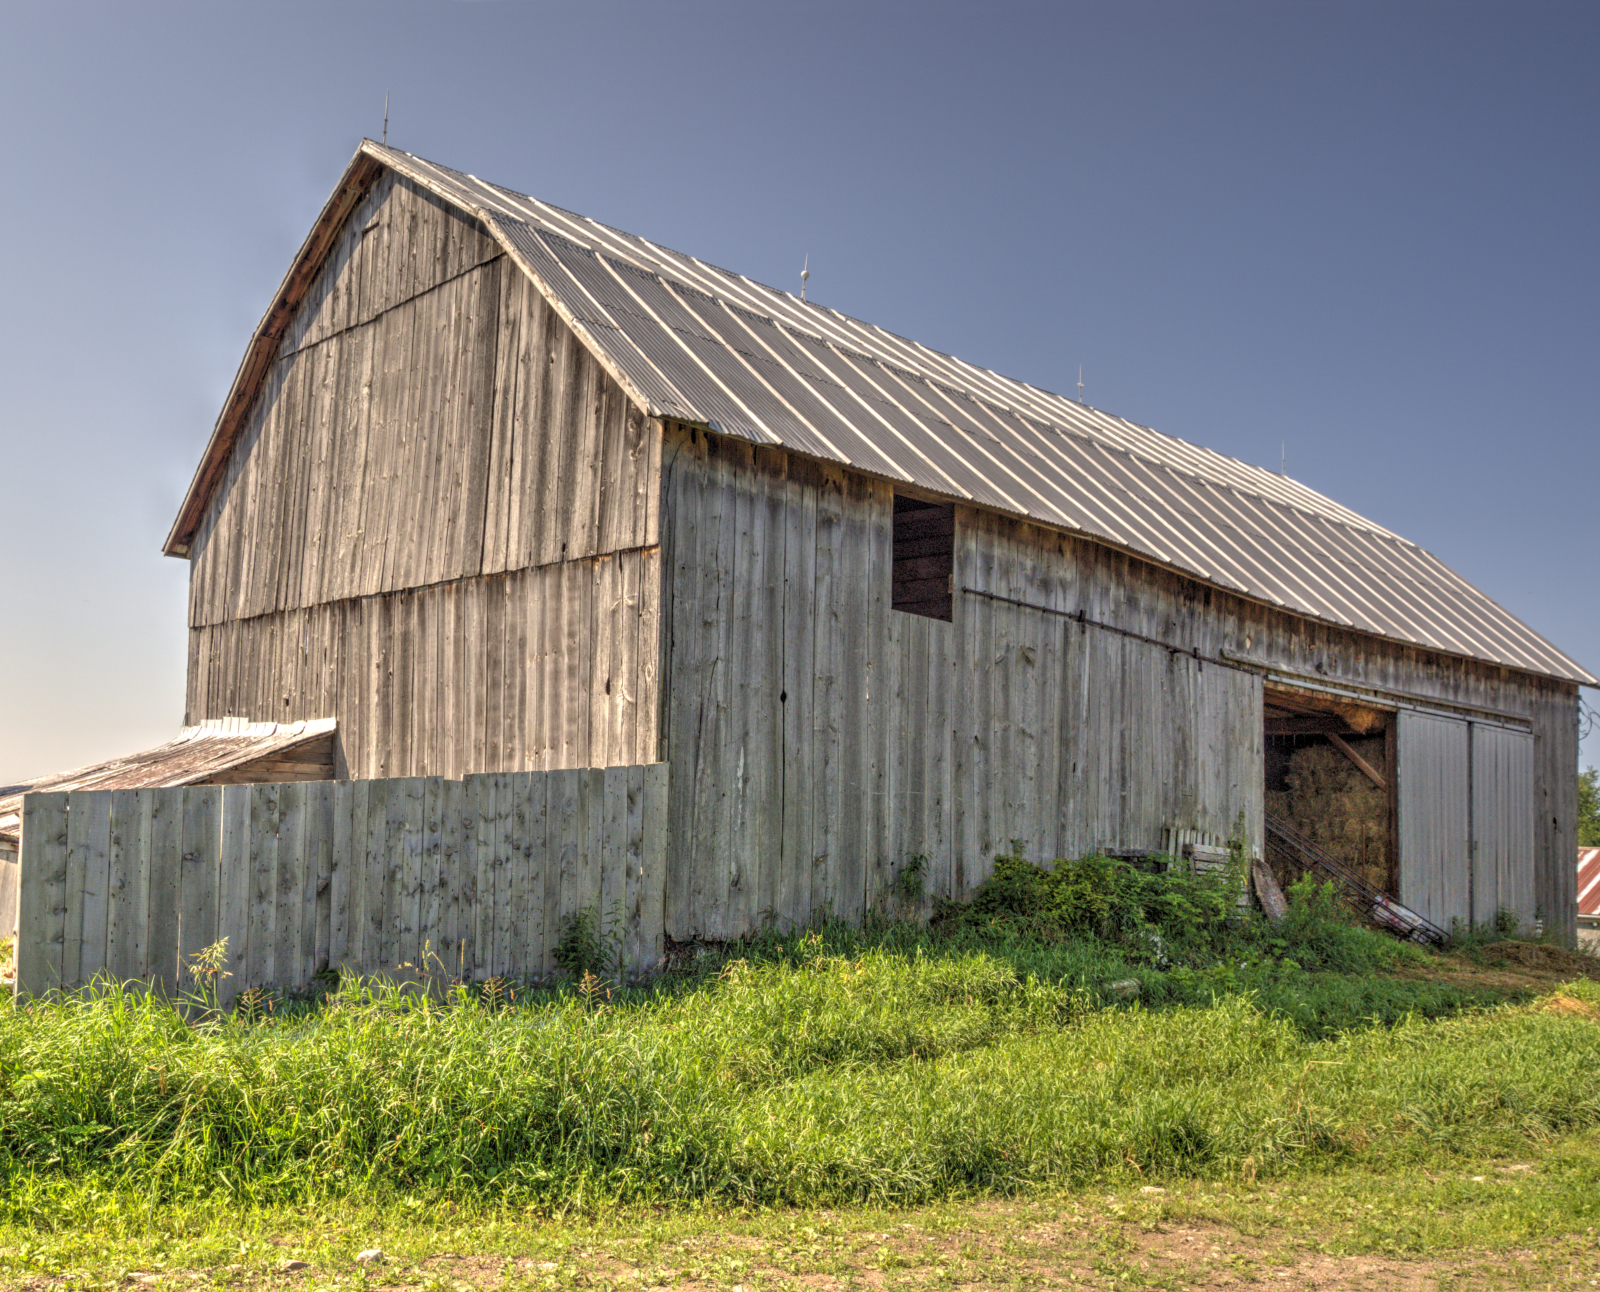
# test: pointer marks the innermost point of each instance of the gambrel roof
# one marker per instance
(697, 344)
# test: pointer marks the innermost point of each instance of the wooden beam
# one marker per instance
(1371, 772)
(1307, 726)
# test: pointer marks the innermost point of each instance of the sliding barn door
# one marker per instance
(1435, 809)
(1502, 823)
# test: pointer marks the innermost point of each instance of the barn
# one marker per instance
(499, 488)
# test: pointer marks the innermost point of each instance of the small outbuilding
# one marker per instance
(223, 751)
(500, 488)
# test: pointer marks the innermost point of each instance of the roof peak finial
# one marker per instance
(805, 273)
(1080, 383)
(386, 118)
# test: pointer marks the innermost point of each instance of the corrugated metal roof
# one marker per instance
(700, 344)
(193, 757)
(1589, 881)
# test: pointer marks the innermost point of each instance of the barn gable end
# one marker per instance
(437, 519)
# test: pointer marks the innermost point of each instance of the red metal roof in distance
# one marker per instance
(1589, 881)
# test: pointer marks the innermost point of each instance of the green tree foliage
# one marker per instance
(1589, 808)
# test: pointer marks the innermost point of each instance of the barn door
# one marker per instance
(1435, 816)
(1502, 823)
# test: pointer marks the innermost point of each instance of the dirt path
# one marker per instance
(991, 1245)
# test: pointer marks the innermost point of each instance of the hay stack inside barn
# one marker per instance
(1319, 792)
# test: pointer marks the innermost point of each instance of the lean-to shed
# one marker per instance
(227, 751)
(499, 487)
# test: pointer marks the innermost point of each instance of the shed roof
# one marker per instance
(695, 343)
(193, 757)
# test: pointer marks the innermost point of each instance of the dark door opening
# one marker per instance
(1330, 777)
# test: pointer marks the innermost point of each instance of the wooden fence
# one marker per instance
(368, 876)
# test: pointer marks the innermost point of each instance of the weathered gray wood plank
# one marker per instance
(41, 911)
(163, 862)
(200, 875)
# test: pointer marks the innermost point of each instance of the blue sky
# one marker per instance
(1363, 234)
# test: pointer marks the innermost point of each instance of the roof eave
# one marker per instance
(359, 175)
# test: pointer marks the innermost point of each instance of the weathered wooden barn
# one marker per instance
(501, 488)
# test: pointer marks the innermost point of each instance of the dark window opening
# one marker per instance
(924, 557)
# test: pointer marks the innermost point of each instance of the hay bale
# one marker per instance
(1327, 799)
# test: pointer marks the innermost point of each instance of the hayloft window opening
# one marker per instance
(924, 557)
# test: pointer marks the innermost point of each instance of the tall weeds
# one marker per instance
(805, 1077)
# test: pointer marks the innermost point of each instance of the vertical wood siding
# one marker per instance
(1435, 816)
(470, 879)
(1467, 804)
(529, 671)
(819, 740)
(1502, 824)
(892, 736)
(440, 524)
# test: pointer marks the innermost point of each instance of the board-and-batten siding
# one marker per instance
(819, 739)
(439, 525)
(857, 736)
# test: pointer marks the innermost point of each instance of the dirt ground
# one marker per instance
(979, 1246)
(1514, 968)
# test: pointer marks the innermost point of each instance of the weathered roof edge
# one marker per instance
(363, 170)
(369, 162)
(193, 755)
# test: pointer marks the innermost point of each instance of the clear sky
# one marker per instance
(1360, 234)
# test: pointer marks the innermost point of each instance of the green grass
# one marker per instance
(802, 1080)
(898, 1065)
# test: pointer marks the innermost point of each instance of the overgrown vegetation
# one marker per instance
(896, 1064)
(1589, 808)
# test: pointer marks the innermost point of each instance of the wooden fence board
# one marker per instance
(500, 829)
(199, 871)
(93, 813)
(164, 868)
(514, 878)
(632, 865)
(430, 905)
(530, 901)
(72, 897)
(613, 848)
(446, 814)
(289, 887)
(653, 868)
(233, 882)
(315, 932)
(44, 850)
(366, 876)
(341, 865)
(263, 874)
(482, 791)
